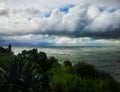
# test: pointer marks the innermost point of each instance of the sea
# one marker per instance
(106, 58)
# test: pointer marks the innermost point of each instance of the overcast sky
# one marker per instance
(60, 22)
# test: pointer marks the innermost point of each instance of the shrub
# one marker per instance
(67, 63)
(20, 76)
(73, 83)
(85, 70)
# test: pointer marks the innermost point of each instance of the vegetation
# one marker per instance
(33, 71)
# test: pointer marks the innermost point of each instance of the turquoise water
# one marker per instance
(103, 58)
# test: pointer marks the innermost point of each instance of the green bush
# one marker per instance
(73, 83)
(85, 70)
(6, 57)
(33, 71)
(20, 76)
(63, 79)
(67, 63)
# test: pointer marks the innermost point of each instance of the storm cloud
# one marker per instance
(78, 19)
(3, 8)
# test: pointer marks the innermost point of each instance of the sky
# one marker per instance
(60, 22)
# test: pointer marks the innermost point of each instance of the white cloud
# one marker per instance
(106, 21)
(74, 18)
(92, 12)
(78, 18)
(51, 4)
(28, 13)
(106, 3)
(42, 4)
(16, 25)
(3, 8)
(58, 41)
(85, 17)
(65, 40)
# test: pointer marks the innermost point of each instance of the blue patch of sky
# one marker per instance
(62, 9)
(47, 14)
(101, 9)
(112, 10)
(66, 8)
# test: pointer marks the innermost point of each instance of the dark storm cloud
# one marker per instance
(3, 8)
(81, 20)
(111, 34)
(4, 12)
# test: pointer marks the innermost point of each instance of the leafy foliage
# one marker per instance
(33, 71)
(67, 63)
(88, 71)
(63, 80)
(39, 58)
(6, 57)
(73, 83)
(20, 76)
